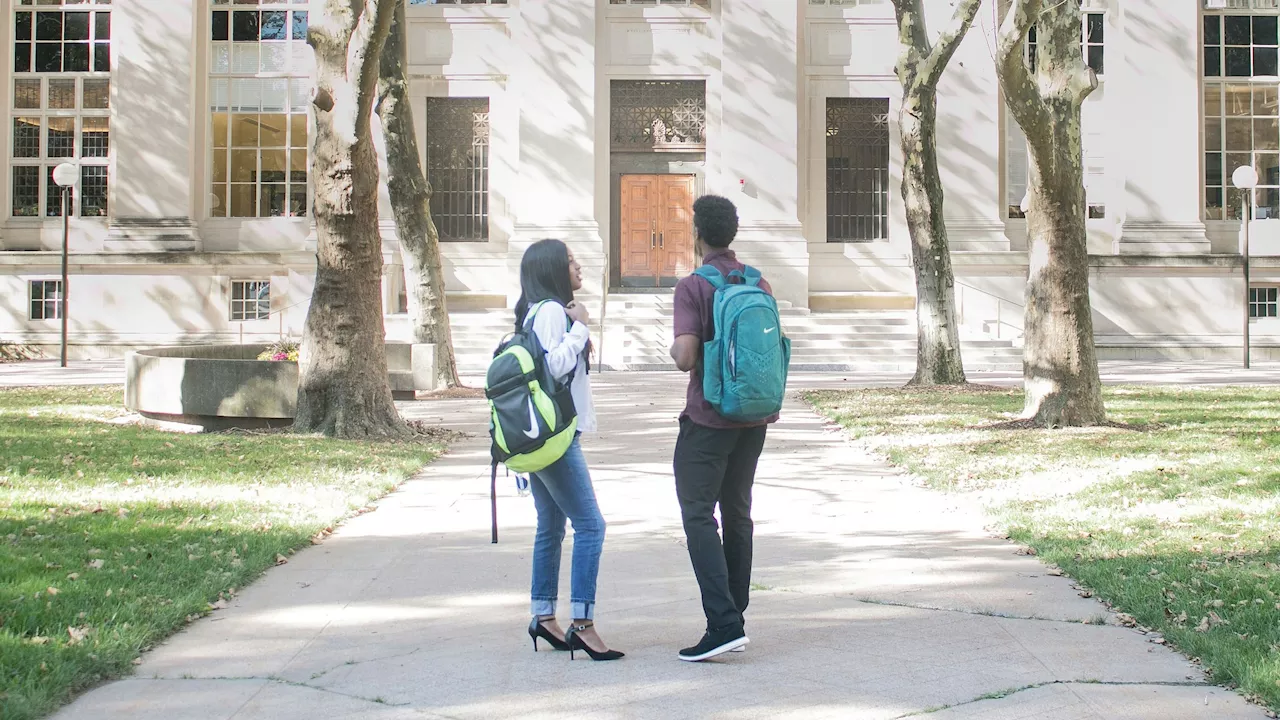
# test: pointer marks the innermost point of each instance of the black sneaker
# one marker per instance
(716, 642)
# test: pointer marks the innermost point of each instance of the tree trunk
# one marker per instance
(1060, 363)
(411, 201)
(343, 389)
(920, 67)
(938, 358)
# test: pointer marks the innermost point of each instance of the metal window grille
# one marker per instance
(857, 169)
(458, 167)
(46, 299)
(648, 115)
(250, 300)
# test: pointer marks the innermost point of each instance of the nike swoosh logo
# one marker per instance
(533, 432)
(766, 332)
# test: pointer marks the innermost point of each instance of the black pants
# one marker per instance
(718, 466)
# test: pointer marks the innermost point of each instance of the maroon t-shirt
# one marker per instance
(694, 301)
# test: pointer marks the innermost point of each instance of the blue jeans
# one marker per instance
(563, 490)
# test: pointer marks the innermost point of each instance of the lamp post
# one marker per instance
(66, 175)
(1246, 178)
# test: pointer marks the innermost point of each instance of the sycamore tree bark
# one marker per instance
(343, 389)
(1060, 362)
(920, 67)
(411, 201)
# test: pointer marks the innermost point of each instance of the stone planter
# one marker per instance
(220, 386)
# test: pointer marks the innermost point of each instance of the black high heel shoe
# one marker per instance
(575, 642)
(537, 631)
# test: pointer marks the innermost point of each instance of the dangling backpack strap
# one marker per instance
(493, 499)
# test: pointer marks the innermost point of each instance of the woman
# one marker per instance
(549, 275)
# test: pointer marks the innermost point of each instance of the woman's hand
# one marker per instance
(578, 312)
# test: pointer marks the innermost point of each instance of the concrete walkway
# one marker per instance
(874, 599)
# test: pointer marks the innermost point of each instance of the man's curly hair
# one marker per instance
(716, 220)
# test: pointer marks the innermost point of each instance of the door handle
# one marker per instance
(661, 242)
(653, 240)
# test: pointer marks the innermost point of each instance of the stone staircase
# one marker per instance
(639, 332)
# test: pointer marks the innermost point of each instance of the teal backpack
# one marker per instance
(744, 369)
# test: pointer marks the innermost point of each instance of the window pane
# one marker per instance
(1213, 134)
(244, 165)
(274, 129)
(62, 137)
(221, 30)
(1213, 62)
(102, 57)
(93, 191)
(244, 131)
(1095, 25)
(49, 25)
(95, 137)
(244, 26)
(97, 94)
(1266, 134)
(75, 26)
(1213, 169)
(22, 57)
(1238, 62)
(219, 169)
(274, 165)
(1097, 59)
(26, 94)
(1268, 167)
(298, 131)
(299, 25)
(220, 121)
(1239, 29)
(22, 26)
(1264, 30)
(26, 137)
(62, 94)
(1212, 30)
(1239, 100)
(857, 169)
(219, 201)
(242, 204)
(1239, 135)
(48, 57)
(274, 201)
(275, 25)
(102, 25)
(1264, 62)
(26, 191)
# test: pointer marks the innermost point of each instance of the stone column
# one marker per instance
(754, 148)
(1154, 64)
(555, 81)
(154, 47)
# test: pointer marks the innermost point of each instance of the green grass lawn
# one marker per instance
(114, 535)
(1175, 521)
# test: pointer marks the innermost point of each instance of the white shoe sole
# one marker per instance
(740, 648)
(731, 646)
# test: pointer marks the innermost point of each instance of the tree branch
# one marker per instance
(948, 42)
(364, 53)
(1021, 93)
(913, 40)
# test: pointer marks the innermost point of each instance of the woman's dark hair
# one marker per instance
(544, 275)
(716, 220)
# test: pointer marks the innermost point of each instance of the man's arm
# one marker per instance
(685, 352)
(687, 324)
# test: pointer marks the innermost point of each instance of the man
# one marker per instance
(715, 459)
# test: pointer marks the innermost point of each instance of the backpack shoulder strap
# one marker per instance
(711, 275)
(750, 275)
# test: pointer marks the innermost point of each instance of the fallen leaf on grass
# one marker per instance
(1126, 619)
(220, 604)
(1056, 572)
(1216, 619)
(52, 590)
(137, 661)
(39, 640)
(280, 559)
(96, 565)
(73, 577)
(78, 634)
(1203, 626)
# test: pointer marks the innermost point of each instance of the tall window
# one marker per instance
(60, 112)
(1241, 111)
(857, 169)
(258, 94)
(458, 167)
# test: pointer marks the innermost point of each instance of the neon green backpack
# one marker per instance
(532, 419)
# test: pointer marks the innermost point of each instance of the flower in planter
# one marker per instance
(283, 351)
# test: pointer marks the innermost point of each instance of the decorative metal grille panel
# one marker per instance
(458, 167)
(649, 115)
(857, 169)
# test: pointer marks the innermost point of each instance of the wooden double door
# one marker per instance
(656, 229)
